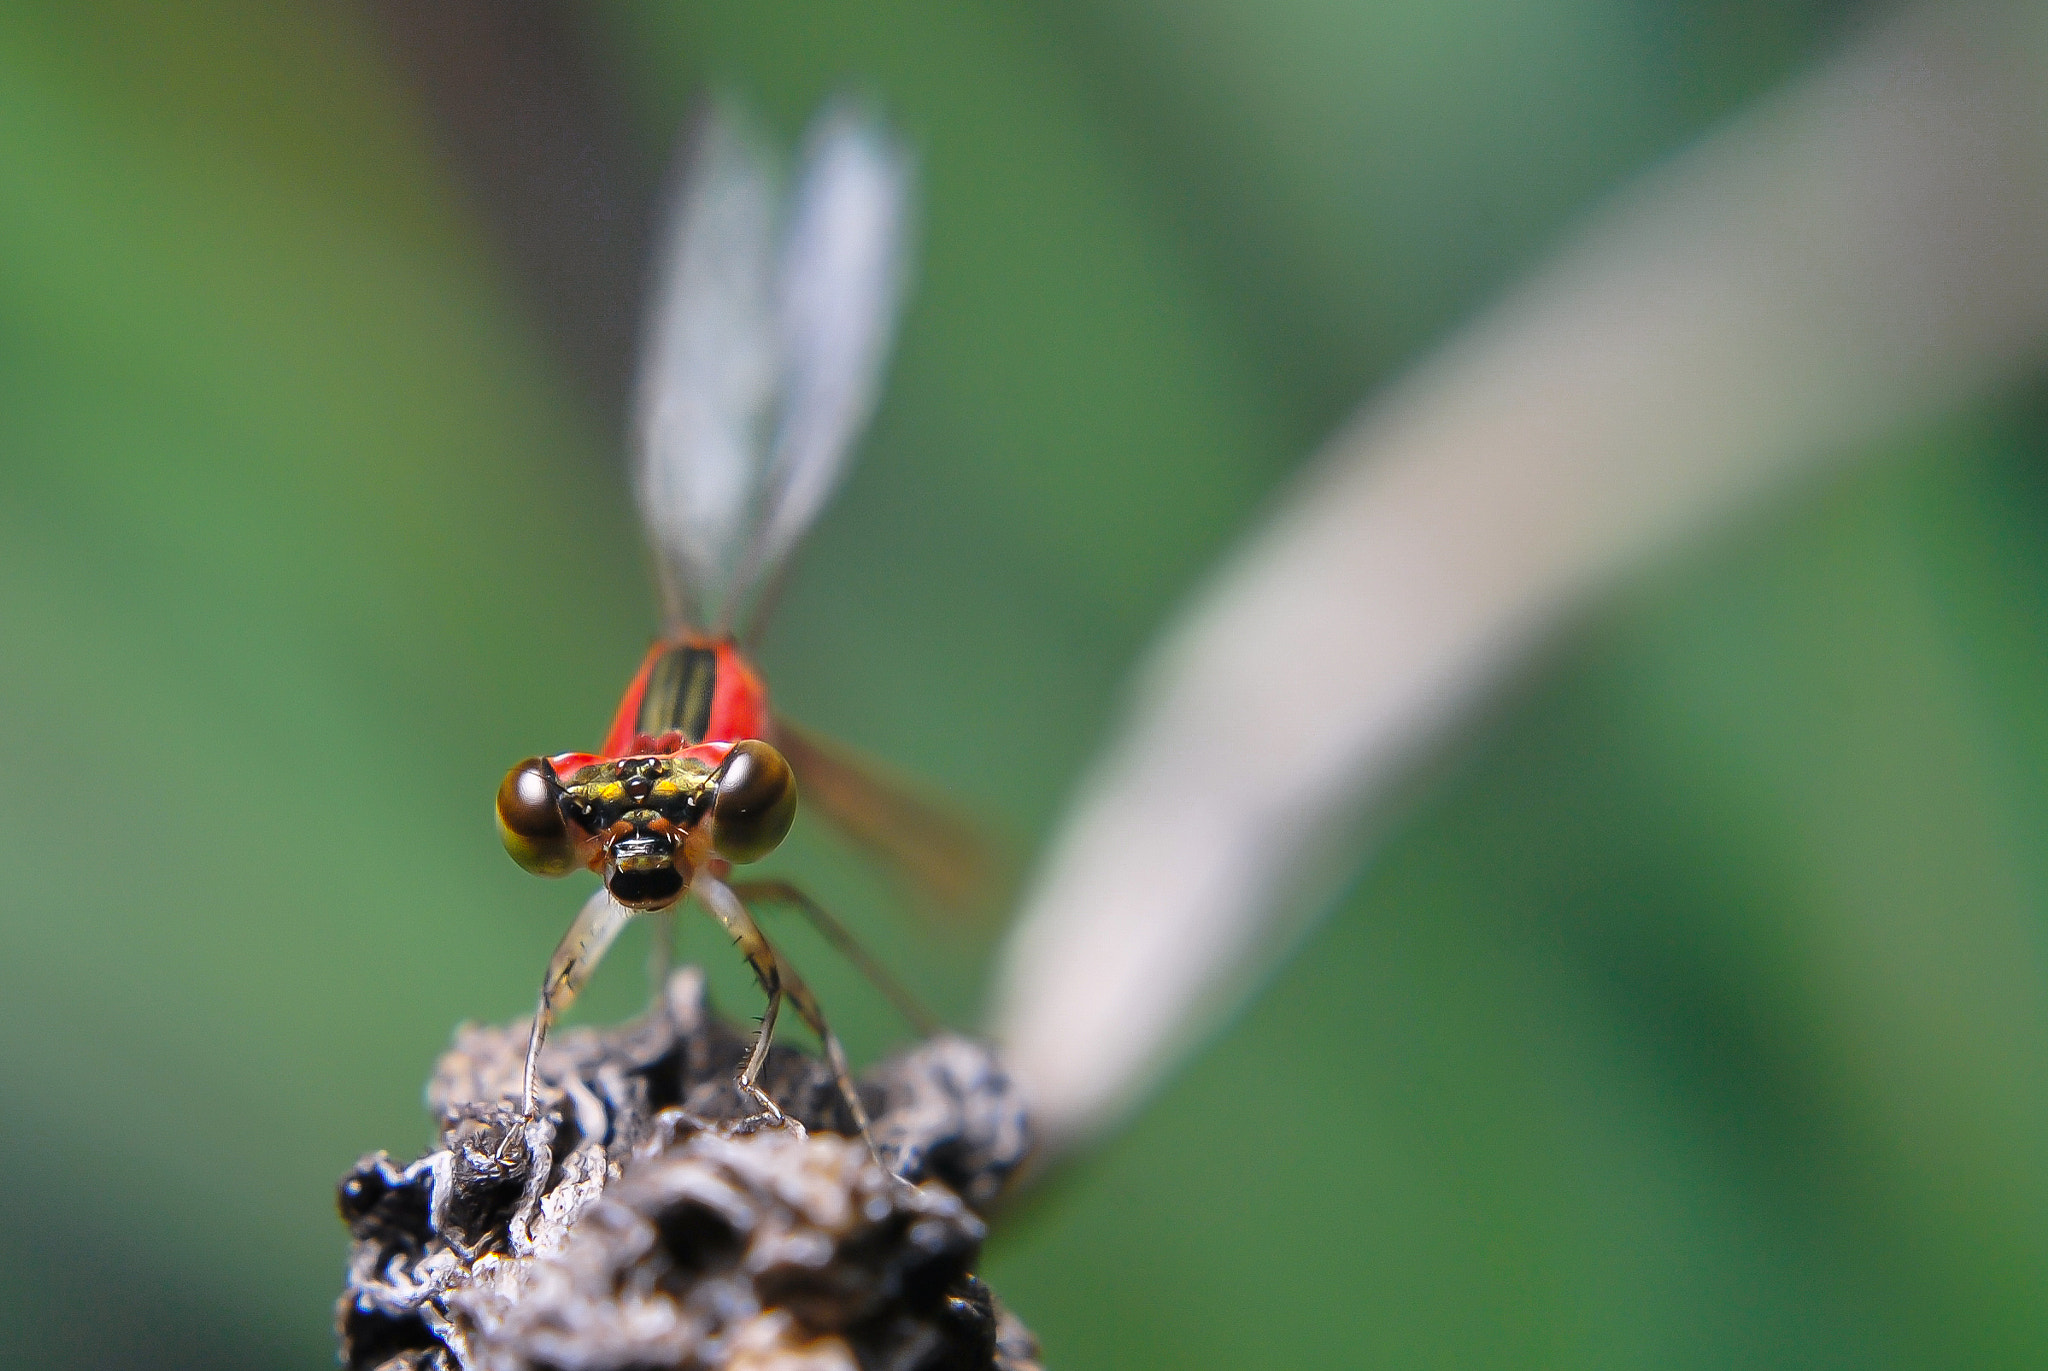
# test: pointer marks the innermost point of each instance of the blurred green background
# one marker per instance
(1694, 1015)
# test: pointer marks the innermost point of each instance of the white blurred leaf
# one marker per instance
(1866, 247)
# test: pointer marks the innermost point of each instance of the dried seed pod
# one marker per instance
(631, 1225)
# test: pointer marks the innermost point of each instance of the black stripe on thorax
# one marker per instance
(678, 696)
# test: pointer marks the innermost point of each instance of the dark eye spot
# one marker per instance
(530, 819)
(754, 803)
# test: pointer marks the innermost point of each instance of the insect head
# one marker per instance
(647, 823)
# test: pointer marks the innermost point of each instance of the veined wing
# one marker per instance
(708, 368)
(942, 856)
(839, 292)
(762, 365)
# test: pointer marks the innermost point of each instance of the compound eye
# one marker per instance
(754, 804)
(530, 820)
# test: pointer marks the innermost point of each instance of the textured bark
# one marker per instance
(644, 1221)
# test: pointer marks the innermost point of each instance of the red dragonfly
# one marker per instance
(766, 344)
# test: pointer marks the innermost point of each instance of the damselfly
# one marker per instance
(767, 337)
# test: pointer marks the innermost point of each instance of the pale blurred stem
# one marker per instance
(1866, 247)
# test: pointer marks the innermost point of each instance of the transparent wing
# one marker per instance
(708, 370)
(840, 285)
(943, 857)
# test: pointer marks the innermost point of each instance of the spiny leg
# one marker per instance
(782, 892)
(757, 1056)
(576, 956)
(778, 978)
(770, 970)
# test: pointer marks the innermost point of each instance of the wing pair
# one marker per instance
(771, 322)
(764, 351)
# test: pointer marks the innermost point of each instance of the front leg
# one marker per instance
(778, 978)
(576, 956)
(769, 970)
(757, 893)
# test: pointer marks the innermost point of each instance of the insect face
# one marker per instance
(629, 820)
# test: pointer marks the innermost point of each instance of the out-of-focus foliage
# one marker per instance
(1695, 1015)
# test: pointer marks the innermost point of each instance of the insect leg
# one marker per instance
(576, 956)
(751, 1071)
(661, 952)
(834, 932)
(726, 907)
(769, 970)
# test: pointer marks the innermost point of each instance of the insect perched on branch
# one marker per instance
(763, 355)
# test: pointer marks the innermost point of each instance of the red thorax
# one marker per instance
(693, 696)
